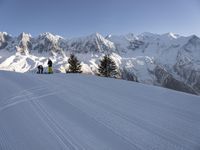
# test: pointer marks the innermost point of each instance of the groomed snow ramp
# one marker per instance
(82, 112)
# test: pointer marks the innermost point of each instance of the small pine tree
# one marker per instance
(74, 65)
(107, 67)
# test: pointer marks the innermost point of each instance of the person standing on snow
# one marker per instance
(50, 70)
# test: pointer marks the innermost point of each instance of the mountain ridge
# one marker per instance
(140, 57)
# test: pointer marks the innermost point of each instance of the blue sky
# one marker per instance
(72, 18)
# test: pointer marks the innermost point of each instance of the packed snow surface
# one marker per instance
(76, 112)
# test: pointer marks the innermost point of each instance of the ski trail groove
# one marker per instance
(182, 113)
(156, 130)
(21, 92)
(48, 120)
(141, 123)
(18, 100)
(125, 139)
(61, 129)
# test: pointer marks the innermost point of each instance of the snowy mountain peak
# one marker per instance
(24, 36)
(96, 36)
(50, 36)
(92, 43)
(108, 36)
(4, 37)
(46, 34)
(148, 34)
(194, 38)
(171, 35)
(193, 46)
(3, 33)
(130, 36)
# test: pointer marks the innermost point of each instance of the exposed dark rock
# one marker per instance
(4, 38)
(128, 75)
(3, 45)
(167, 80)
(135, 44)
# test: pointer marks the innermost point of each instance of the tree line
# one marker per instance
(106, 67)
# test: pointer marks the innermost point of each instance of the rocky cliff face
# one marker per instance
(187, 65)
(48, 42)
(24, 43)
(168, 60)
(4, 38)
(165, 79)
(94, 43)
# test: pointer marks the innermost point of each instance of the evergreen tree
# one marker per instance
(74, 65)
(107, 67)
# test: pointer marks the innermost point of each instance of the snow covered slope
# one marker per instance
(158, 59)
(76, 112)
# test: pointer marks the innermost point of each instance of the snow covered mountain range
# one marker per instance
(167, 60)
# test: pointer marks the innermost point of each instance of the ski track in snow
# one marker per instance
(152, 128)
(28, 95)
(104, 116)
(56, 129)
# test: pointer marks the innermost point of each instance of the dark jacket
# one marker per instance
(40, 69)
(49, 63)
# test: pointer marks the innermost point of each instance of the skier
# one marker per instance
(50, 66)
(40, 69)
